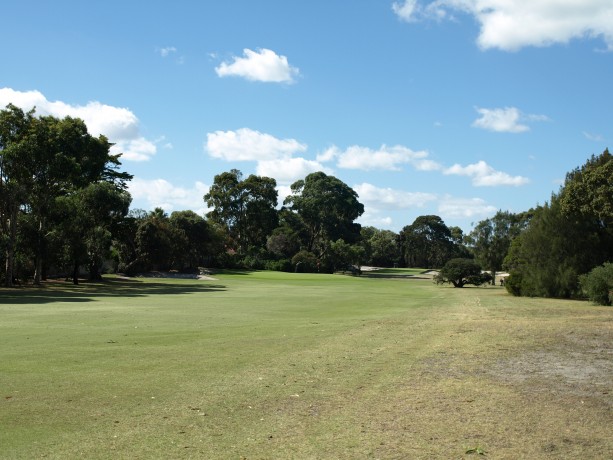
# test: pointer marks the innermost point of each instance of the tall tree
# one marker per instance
(245, 208)
(327, 208)
(14, 124)
(380, 247)
(491, 238)
(427, 243)
(55, 157)
(199, 238)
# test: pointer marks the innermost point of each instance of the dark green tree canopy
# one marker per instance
(588, 190)
(44, 160)
(427, 243)
(327, 208)
(461, 272)
(245, 208)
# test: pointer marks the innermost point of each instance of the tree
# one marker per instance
(588, 194)
(427, 243)
(491, 238)
(546, 259)
(199, 238)
(380, 247)
(86, 220)
(45, 159)
(597, 285)
(461, 272)
(567, 237)
(245, 208)
(14, 125)
(327, 209)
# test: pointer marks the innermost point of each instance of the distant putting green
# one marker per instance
(268, 365)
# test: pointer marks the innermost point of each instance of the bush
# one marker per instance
(305, 262)
(597, 285)
(283, 265)
(460, 272)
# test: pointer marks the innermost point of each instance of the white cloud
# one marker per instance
(407, 10)
(161, 193)
(593, 137)
(289, 170)
(386, 158)
(453, 208)
(386, 198)
(166, 51)
(248, 145)
(374, 219)
(118, 124)
(508, 119)
(512, 25)
(483, 175)
(261, 65)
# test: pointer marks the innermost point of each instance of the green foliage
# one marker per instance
(380, 247)
(460, 272)
(327, 209)
(588, 191)
(427, 243)
(491, 238)
(597, 285)
(48, 165)
(305, 262)
(246, 209)
(567, 237)
(548, 257)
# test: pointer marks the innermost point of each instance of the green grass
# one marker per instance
(271, 365)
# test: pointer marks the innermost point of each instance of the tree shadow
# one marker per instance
(60, 291)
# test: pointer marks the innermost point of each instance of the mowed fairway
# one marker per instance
(278, 366)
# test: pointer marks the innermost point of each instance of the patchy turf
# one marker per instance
(266, 365)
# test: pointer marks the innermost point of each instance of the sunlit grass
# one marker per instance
(272, 365)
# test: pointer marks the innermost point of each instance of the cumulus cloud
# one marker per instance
(262, 65)
(453, 208)
(378, 201)
(289, 170)
(274, 157)
(483, 175)
(161, 193)
(118, 124)
(508, 119)
(386, 158)
(391, 199)
(512, 25)
(248, 145)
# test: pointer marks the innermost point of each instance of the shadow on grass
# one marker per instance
(58, 291)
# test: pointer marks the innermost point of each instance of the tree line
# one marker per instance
(65, 209)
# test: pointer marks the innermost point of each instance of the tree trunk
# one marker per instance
(10, 248)
(38, 261)
(75, 273)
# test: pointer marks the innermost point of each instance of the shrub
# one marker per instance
(597, 285)
(283, 265)
(460, 272)
(305, 262)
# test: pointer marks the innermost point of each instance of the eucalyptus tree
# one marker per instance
(14, 124)
(44, 159)
(245, 208)
(491, 238)
(427, 243)
(327, 209)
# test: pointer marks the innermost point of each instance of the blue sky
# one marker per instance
(450, 107)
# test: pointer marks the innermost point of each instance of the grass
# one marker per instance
(269, 365)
